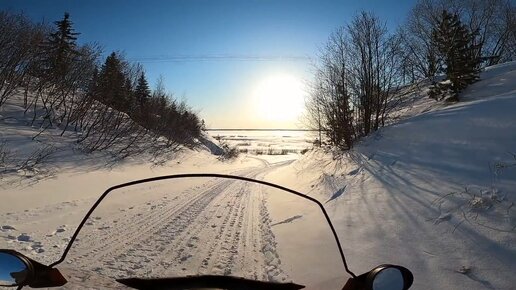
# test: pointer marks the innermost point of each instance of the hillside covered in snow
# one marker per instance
(434, 192)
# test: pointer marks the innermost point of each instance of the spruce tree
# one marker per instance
(112, 86)
(456, 48)
(142, 94)
(59, 50)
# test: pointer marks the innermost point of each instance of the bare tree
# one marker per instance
(19, 39)
(329, 106)
(374, 70)
(416, 36)
(356, 77)
(493, 20)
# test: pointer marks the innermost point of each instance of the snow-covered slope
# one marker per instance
(434, 192)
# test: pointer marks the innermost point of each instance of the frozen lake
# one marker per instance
(269, 142)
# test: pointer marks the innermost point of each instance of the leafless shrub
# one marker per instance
(13, 163)
(474, 207)
(230, 152)
(37, 158)
(480, 206)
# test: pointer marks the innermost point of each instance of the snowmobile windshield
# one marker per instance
(199, 225)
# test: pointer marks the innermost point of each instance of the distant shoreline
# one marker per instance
(300, 130)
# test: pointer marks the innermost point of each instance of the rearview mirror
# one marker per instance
(389, 277)
(19, 270)
(383, 277)
(13, 270)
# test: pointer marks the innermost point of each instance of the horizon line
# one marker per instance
(258, 129)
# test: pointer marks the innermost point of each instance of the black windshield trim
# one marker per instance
(206, 281)
(213, 175)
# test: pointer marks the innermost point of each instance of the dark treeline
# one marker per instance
(106, 105)
(364, 69)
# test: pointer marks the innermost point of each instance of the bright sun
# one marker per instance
(279, 98)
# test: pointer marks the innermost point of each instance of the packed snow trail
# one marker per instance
(216, 226)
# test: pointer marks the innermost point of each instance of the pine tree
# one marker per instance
(112, 86)
(59, 50)
(142, 94)
(456, 49)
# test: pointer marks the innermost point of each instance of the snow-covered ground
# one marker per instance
(433, 192)
(172, 228)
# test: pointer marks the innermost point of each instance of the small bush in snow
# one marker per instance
(479, 207)
(229, 152)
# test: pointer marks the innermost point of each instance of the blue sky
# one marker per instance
(183, 38)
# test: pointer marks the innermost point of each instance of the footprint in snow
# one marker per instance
(24, 238)
(60, 229)
(184, 258)
(354, 171)
(37, 247)
(8, 228)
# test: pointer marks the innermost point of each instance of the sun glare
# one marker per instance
(279, 98)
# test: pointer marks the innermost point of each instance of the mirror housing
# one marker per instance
(401, 276)
(17, 268)
(37, 275)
